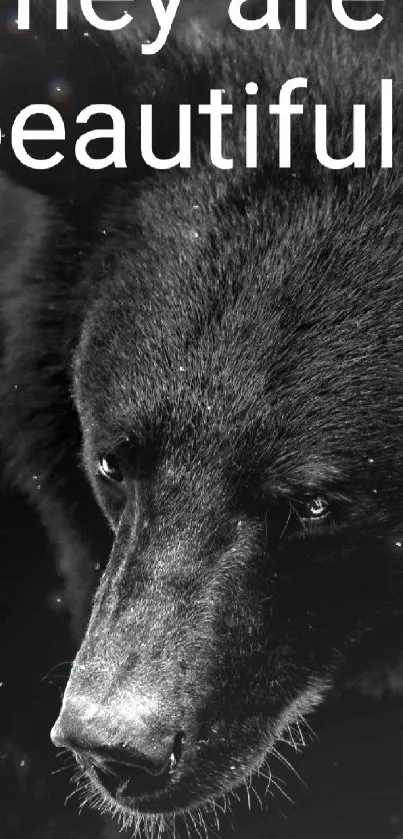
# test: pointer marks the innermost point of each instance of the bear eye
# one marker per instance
(109, 468)
(316, 508)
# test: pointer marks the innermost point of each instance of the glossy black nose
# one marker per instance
(130, 757)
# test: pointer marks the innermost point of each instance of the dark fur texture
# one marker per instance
(235, 339)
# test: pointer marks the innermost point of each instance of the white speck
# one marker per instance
(86, 34)
(375, 491)
(251, 88)
(371, 460)
(196, 207)
(22, 762)
(398, 544)
(181, 369)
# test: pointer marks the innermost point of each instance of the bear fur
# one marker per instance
(230, 345)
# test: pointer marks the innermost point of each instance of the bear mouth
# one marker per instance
(160, 794)
(175, 789)
(129, 785)
(136, 785)
(178, 787)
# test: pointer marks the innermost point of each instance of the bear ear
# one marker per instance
(81, 66)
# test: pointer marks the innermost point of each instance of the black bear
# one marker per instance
(201, 389)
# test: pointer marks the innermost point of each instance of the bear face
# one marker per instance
(246, 484)
(231, 369)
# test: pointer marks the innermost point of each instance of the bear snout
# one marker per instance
(128, 752)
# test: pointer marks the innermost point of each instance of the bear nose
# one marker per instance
(130, 758)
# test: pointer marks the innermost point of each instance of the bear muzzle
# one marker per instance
(128, 758)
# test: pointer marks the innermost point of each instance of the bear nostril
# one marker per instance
(177, 749)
